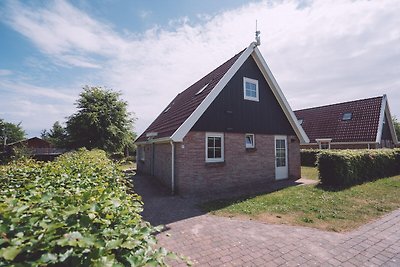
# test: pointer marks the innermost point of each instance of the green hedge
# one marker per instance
(308, 157)
(76, 211)
(348, 167)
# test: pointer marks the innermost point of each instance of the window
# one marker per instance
(214, 147)
(202, 89)
(249, 141)
(324, 143)
(141, 153)
(250, 89)
(347, 116)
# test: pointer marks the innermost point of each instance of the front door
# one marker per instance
(281, 165)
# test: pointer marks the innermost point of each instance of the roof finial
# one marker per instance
(258, 42)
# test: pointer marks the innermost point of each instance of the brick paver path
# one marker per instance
(217, 241)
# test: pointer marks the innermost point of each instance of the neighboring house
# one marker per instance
(364, 123)
(232, 128)
(38, 148)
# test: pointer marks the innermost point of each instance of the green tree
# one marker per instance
(102, 121)
(10, 132)
(57, 135)
(396, 125)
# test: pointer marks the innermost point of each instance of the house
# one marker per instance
(364, 123)
(40, 149)
(232, 128)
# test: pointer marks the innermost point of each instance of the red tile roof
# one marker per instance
(183, 105)
(327, 122)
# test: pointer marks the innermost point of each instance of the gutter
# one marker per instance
(172, 167)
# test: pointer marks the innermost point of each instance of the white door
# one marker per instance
(281, 164)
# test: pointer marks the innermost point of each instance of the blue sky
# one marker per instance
(320, 51)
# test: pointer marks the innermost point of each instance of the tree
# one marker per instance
(57, 135)
(10, 132)
(102, 121)
(396, 125)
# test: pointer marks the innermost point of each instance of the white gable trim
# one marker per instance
(181, 132)
(385, 112)
(381, 120)
(276, 90)
(185, 127)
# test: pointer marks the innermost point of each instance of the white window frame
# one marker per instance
(218, 135)
(246, 97)
(252, 137)
(325, 140)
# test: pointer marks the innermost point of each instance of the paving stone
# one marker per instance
(217, 241)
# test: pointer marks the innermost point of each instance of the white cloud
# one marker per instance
(4, 72)
(321, 52)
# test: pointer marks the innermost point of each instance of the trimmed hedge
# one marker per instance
(349, 167)
(76, 211)
(308, 157)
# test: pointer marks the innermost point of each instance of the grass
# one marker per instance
(309, 173)
(316, 207)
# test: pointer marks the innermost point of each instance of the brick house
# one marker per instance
(230, 129)
(364, 123)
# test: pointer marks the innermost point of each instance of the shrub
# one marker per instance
(348, 167)
(76, 211)
(308, 157)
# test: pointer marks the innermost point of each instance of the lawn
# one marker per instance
(313, 206)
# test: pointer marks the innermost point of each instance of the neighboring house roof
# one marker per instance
(176, 120)
(364, 122)
(34, 141)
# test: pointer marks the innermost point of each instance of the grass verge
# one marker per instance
(316, 207)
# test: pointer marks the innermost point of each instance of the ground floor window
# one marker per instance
(214, 147)
(249, 141)
(141, 153)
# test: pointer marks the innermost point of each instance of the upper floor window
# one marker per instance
(250, 89)
(324, 143)
(214, 147)
(347, 116)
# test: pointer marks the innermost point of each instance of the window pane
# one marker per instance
(217, 142)
(211, 153)
(210, 142)
(217, 152)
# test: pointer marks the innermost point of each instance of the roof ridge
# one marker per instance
(341, 103)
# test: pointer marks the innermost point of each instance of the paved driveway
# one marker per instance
(217, 241)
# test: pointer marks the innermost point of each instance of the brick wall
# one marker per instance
(145, 166)
(241, 167)
(162, 163)
(157, 162)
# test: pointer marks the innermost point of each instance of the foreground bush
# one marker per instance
(76, 211)
(308, 157)
(348, 167)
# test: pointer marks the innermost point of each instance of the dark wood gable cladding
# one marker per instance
(230, 112)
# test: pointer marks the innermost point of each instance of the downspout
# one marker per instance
(172, 167)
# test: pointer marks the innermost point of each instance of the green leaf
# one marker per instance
(10, 253)
(49, 258)
(113, 243)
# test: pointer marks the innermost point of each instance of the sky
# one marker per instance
(320, 52)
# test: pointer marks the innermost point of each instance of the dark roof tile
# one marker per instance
(326, 121)
(180, 108)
